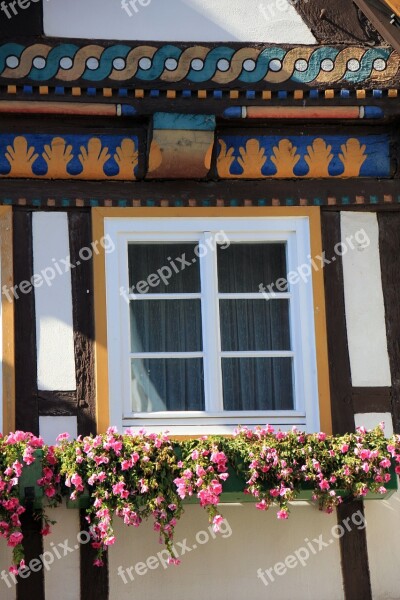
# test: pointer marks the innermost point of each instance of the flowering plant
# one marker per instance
(17, 450)
(130, 476)
(278, 465)
(137, 475)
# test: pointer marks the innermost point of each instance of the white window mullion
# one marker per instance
(211, 329)
(295, 317)
(125, 327)
(306, 333)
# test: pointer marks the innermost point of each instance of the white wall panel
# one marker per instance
(62, 580)
(227, 568)
(371, 420)
(51, 427)
(383, 526)
(8, 590)
(53, 303)
(178, 20)
(365, 313)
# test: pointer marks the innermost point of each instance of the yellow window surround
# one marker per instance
(101, 355)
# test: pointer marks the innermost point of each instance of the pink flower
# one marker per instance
(126, 464)
(50, 491)
(262, 505)
(321, 437)
(365, 454)
(391, 449)
(45, 531)
(98, 563)
(118, 488)
(76, 480)
(143, 486)
(17, 466)
(385, 463)
(27, 456)
(217, 522)
(110, 541)
(344, 448)
(62, 436)
(15, 539)
(282, 514)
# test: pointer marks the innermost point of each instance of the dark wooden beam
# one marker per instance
(389, 244)
(367, 400)
(94, 582)
(21, 23)
(379, 20)
(333, 22)
(32, 587)
(57, 404)
(80, 237)
(339, 362)
(353, 545)
(27, 414)
(92, 193)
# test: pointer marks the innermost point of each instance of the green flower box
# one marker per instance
(233, 488)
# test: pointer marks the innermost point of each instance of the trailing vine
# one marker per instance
(139, 475)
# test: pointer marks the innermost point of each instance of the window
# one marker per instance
(193, 344)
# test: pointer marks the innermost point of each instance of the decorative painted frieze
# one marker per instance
(69, 156)
(183, 146)
(222, 65)
(251, 157)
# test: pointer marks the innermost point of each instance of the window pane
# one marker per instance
(167, 384)
(166, 326)
(242, 267)
(257, 383)
(254, 325)
(167, 268)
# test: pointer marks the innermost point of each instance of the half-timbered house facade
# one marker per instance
(196, 235)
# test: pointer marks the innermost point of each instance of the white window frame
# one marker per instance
(295, 232)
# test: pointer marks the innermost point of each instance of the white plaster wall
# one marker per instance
(371, 420)
(53, 303)
(365, 312)
(6, 593)
(178, 20)
(227, 568)
(62, 579)
(383, 526)
(51, 427)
